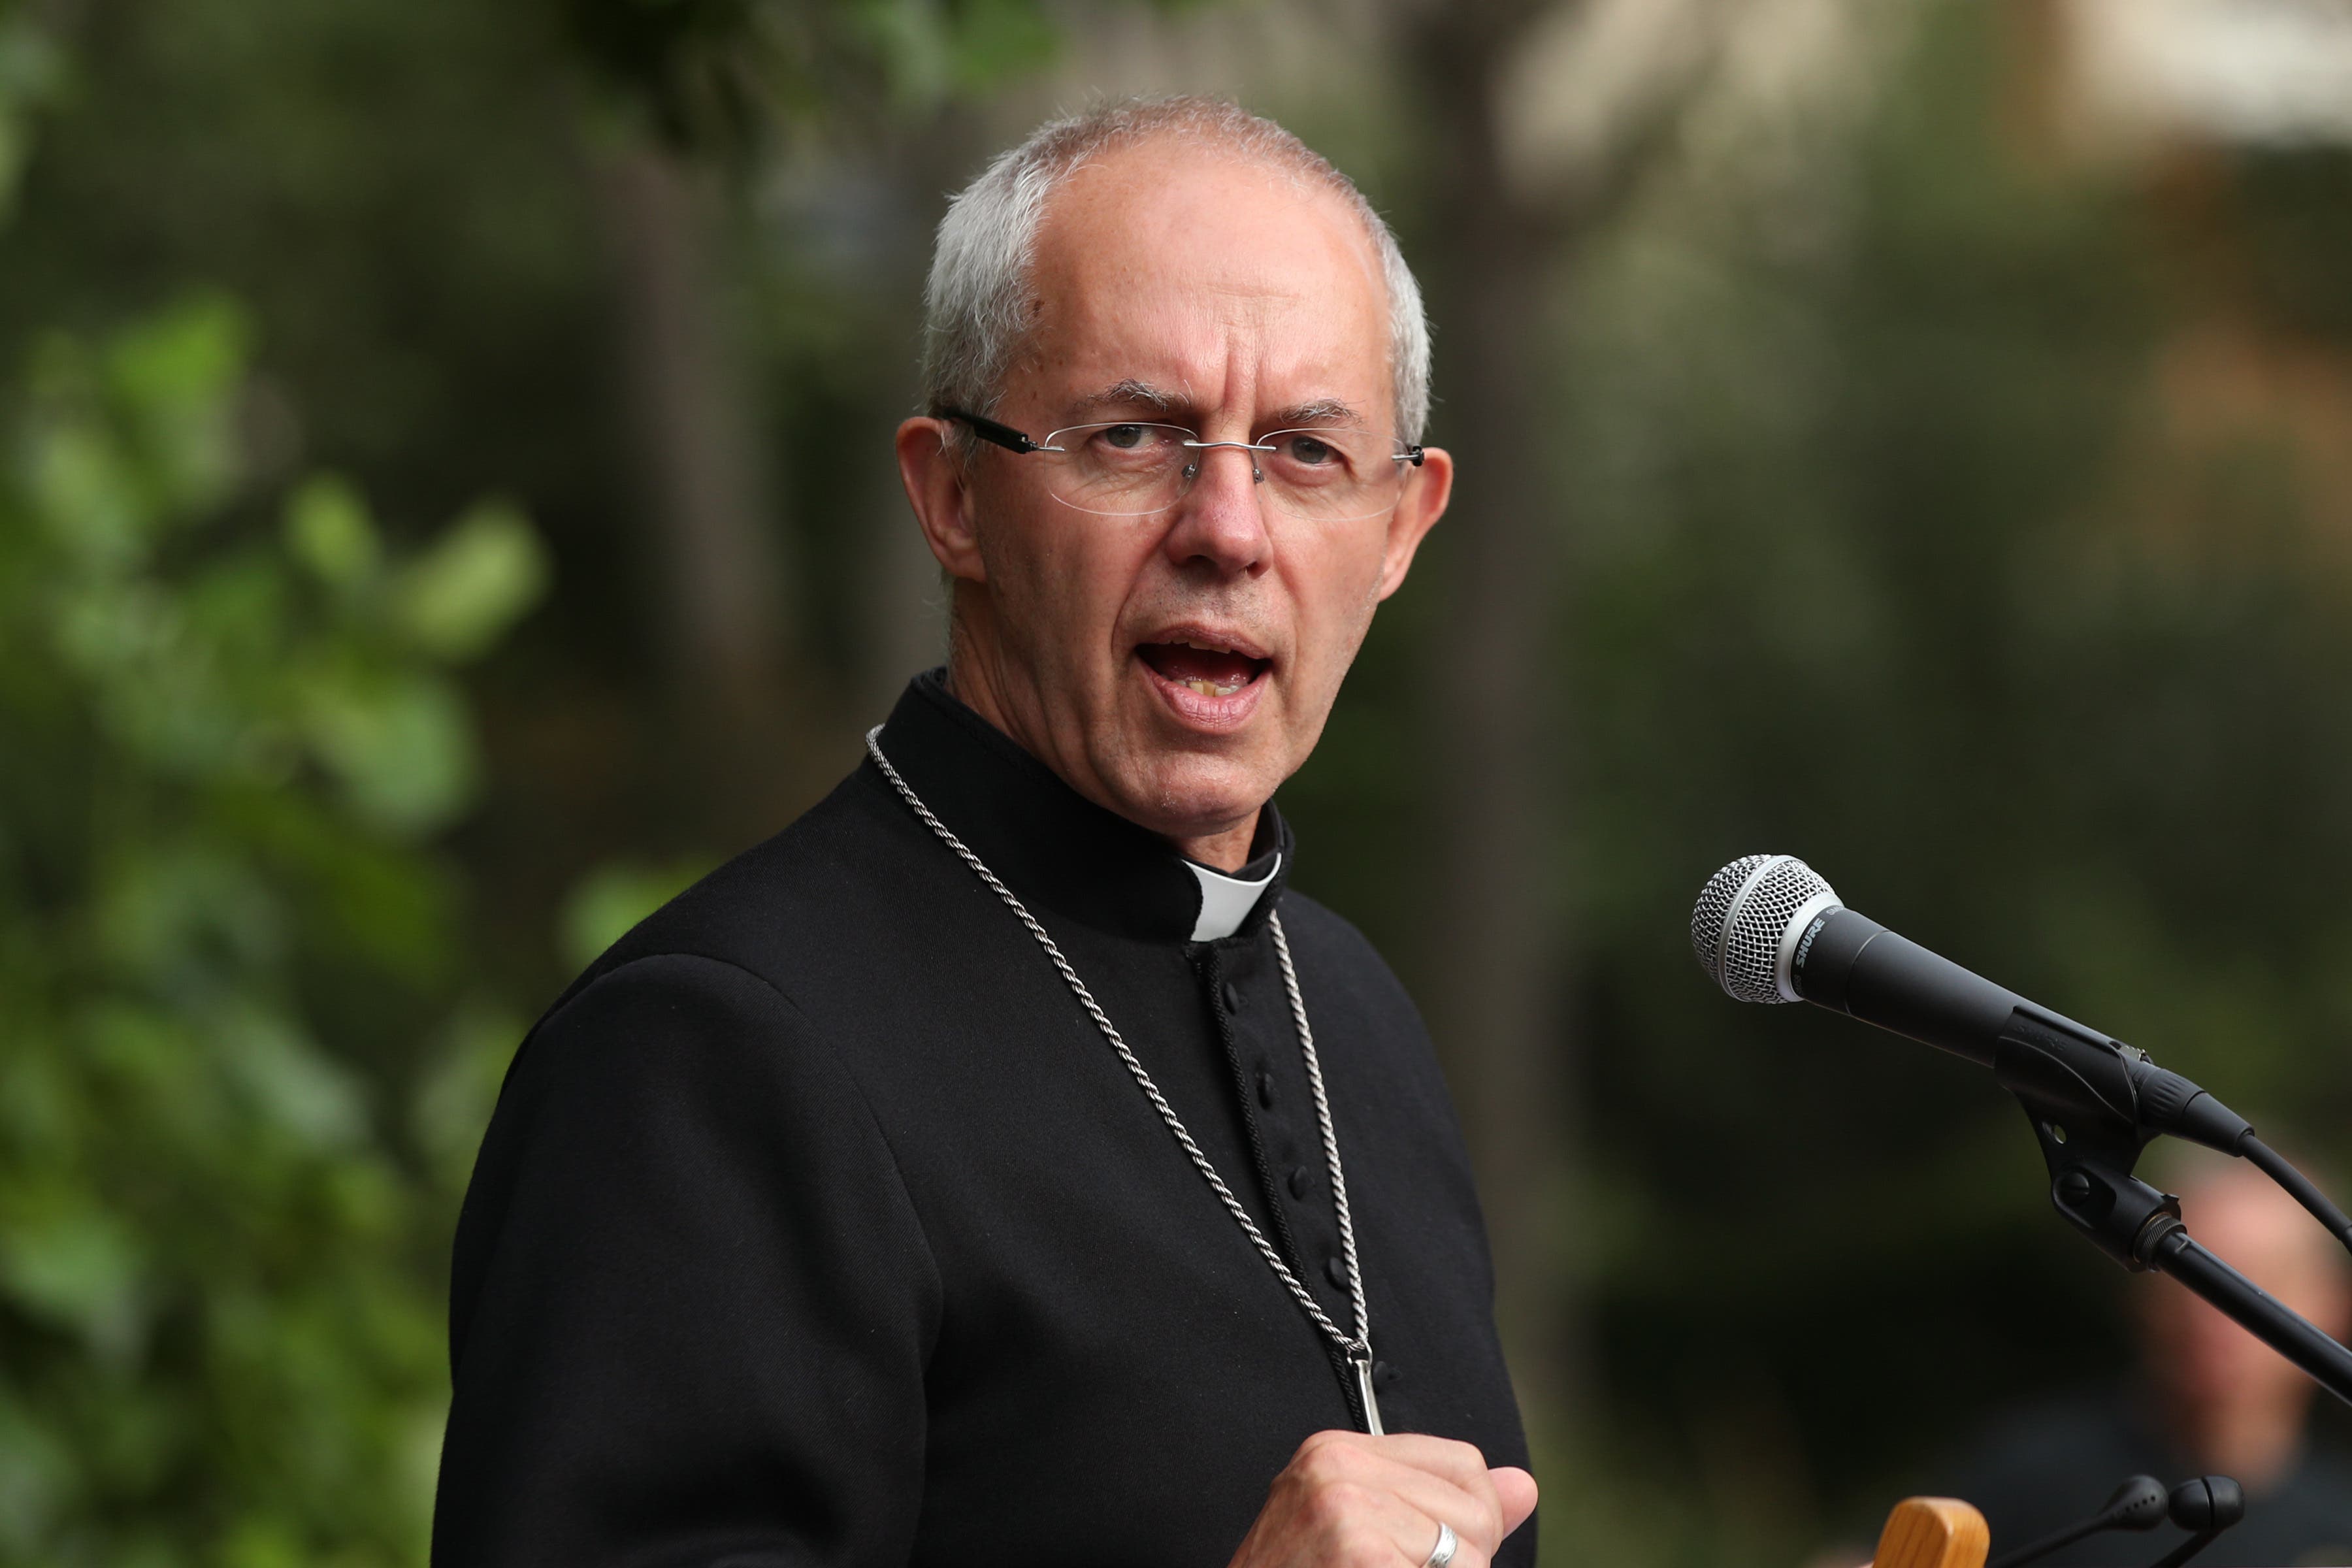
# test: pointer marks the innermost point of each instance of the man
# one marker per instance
(1002, 1165)
(2211, 1399)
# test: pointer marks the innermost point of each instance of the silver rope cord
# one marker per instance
(1356, 1349)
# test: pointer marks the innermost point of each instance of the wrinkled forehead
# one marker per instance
(1235, 281)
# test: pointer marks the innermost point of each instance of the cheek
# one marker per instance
(1061, 577)
(1335, 577)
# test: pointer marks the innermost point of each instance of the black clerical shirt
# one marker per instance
(818, 1223)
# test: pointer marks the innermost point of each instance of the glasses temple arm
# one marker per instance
(989, 430)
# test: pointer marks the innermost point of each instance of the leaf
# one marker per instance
(327, 531)
(84, 492)
(32, 66)
(78, 1267)
(457, 598)
(296, 1088)
(401, 748)
(608, 901)
(35, 1477)
(176, 377)
(32, 72)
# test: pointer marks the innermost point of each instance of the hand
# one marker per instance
(1348, 1500)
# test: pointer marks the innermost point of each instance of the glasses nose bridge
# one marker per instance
(1192, 470)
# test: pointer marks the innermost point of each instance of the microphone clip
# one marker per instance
(2076, 1088)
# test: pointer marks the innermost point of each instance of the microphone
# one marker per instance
(1768, 927)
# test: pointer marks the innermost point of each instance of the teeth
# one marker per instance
(1215, 689)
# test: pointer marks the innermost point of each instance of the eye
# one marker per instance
(1135, 441)
(1314, 456)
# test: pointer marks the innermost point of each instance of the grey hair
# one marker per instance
(977, 304)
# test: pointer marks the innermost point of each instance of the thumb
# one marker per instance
(1516, 1490)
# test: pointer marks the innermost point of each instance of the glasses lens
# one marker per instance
(1326, 474)
(1333, 475)
(1123, 469)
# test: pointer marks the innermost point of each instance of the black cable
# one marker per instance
(2035, 1550)
(2179, 1555)
(2298, 1186)
(2139, 1504)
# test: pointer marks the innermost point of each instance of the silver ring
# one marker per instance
(1442, 1552)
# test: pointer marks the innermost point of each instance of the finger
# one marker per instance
(1474, 1512)
(1516, 1490)
(1467, 1554)
(1420, 1479)
(1415, 1534)
(1458, 1462)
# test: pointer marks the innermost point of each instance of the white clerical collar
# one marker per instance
(1226, 902)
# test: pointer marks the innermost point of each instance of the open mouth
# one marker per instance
(1209, 671)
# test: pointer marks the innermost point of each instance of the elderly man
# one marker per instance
(1002, 1165)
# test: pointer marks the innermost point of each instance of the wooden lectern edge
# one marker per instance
(1932, 1532)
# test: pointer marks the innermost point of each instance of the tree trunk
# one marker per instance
(716, 556)
(1498, 949)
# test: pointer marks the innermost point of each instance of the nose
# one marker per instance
(1219, 522)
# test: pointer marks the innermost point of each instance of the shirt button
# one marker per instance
(1383, 1372)
(1336, 1271)
(1233, 994)
(1266, 1089)
(1301, 1181)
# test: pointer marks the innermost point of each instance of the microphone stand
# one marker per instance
(2172, 1250)
(2084, 1115)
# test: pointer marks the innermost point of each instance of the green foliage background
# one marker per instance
(241, 1085)
(338, 719)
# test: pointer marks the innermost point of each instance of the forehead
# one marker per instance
(1176, 263)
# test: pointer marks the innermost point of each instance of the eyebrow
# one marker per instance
(1133, 393)
(1322, 411)
(1127, 394)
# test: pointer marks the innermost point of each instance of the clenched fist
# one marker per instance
(1348, 1500)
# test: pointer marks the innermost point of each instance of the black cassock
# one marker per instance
(818, 1223)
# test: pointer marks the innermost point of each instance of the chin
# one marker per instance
(1187, 795)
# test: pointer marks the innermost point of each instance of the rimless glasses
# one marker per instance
(1133, 468)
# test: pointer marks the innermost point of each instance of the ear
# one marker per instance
(939, 487)
(1426, 491)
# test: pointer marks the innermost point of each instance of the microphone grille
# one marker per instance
(1742, 918)
(1714, 907)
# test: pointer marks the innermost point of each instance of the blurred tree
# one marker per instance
(485, 249)
(705, 101)
(1500, 226)
(29, 73)
(226, 1166)
(1895, 555)
(728, 76)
